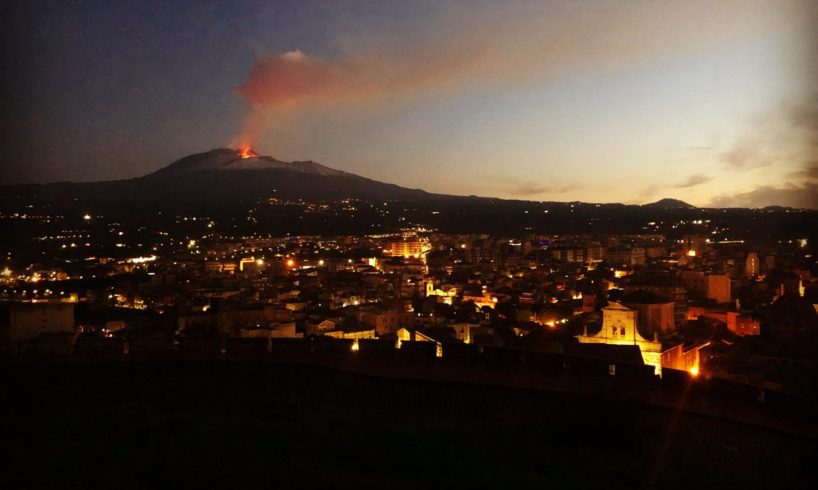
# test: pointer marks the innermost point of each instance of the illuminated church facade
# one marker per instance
(620, 327)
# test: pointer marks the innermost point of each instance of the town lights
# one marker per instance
(290, 262)
(260, 262)
(356, 346)
(694, 371)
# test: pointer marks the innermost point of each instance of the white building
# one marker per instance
(31, 319)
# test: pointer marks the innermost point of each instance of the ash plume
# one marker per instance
(477, 48)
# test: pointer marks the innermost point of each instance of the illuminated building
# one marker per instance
(719, 288)
(571, 254)
(713, 286)
(352, 334)
(694, 245)
(245, 262)
(619, 327)
(406, 335)
(220, 267)
(654, 316)
(321, 328)
(737, 322)
(411, 266)
(655, 252)
(624, 255)
(28, 320)
(483, 250)
(484, 299)
(463, 331)
(444, 294)
(384, 322)
(752, 266)
(272, 331)
(743, 324)
(769, 262)
(676, 294)
(683, 357)
(416, 247)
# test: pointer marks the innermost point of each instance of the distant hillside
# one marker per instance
(247, 193)
(668, 203)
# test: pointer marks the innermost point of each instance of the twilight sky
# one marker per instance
(715, 103)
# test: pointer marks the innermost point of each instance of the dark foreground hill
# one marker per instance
(253, 425)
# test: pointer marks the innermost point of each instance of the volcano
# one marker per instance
(228, 160)
(247, 193)
(227, 174)
(219, 181)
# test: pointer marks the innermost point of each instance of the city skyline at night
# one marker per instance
(409, 244)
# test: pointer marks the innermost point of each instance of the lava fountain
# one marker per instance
(247, 152)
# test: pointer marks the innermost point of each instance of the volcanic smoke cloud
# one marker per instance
(474, 49)
(293, 81)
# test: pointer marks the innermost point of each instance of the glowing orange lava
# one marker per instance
(247, 152)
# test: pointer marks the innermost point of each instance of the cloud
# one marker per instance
(746, 154)
(786, 134)
(532, 189)
(511, 186)
(805, 117)
(794, 195)
(693, 181)
(519, 45)
(808, 173)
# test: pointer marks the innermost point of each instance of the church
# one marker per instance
(620, 326)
